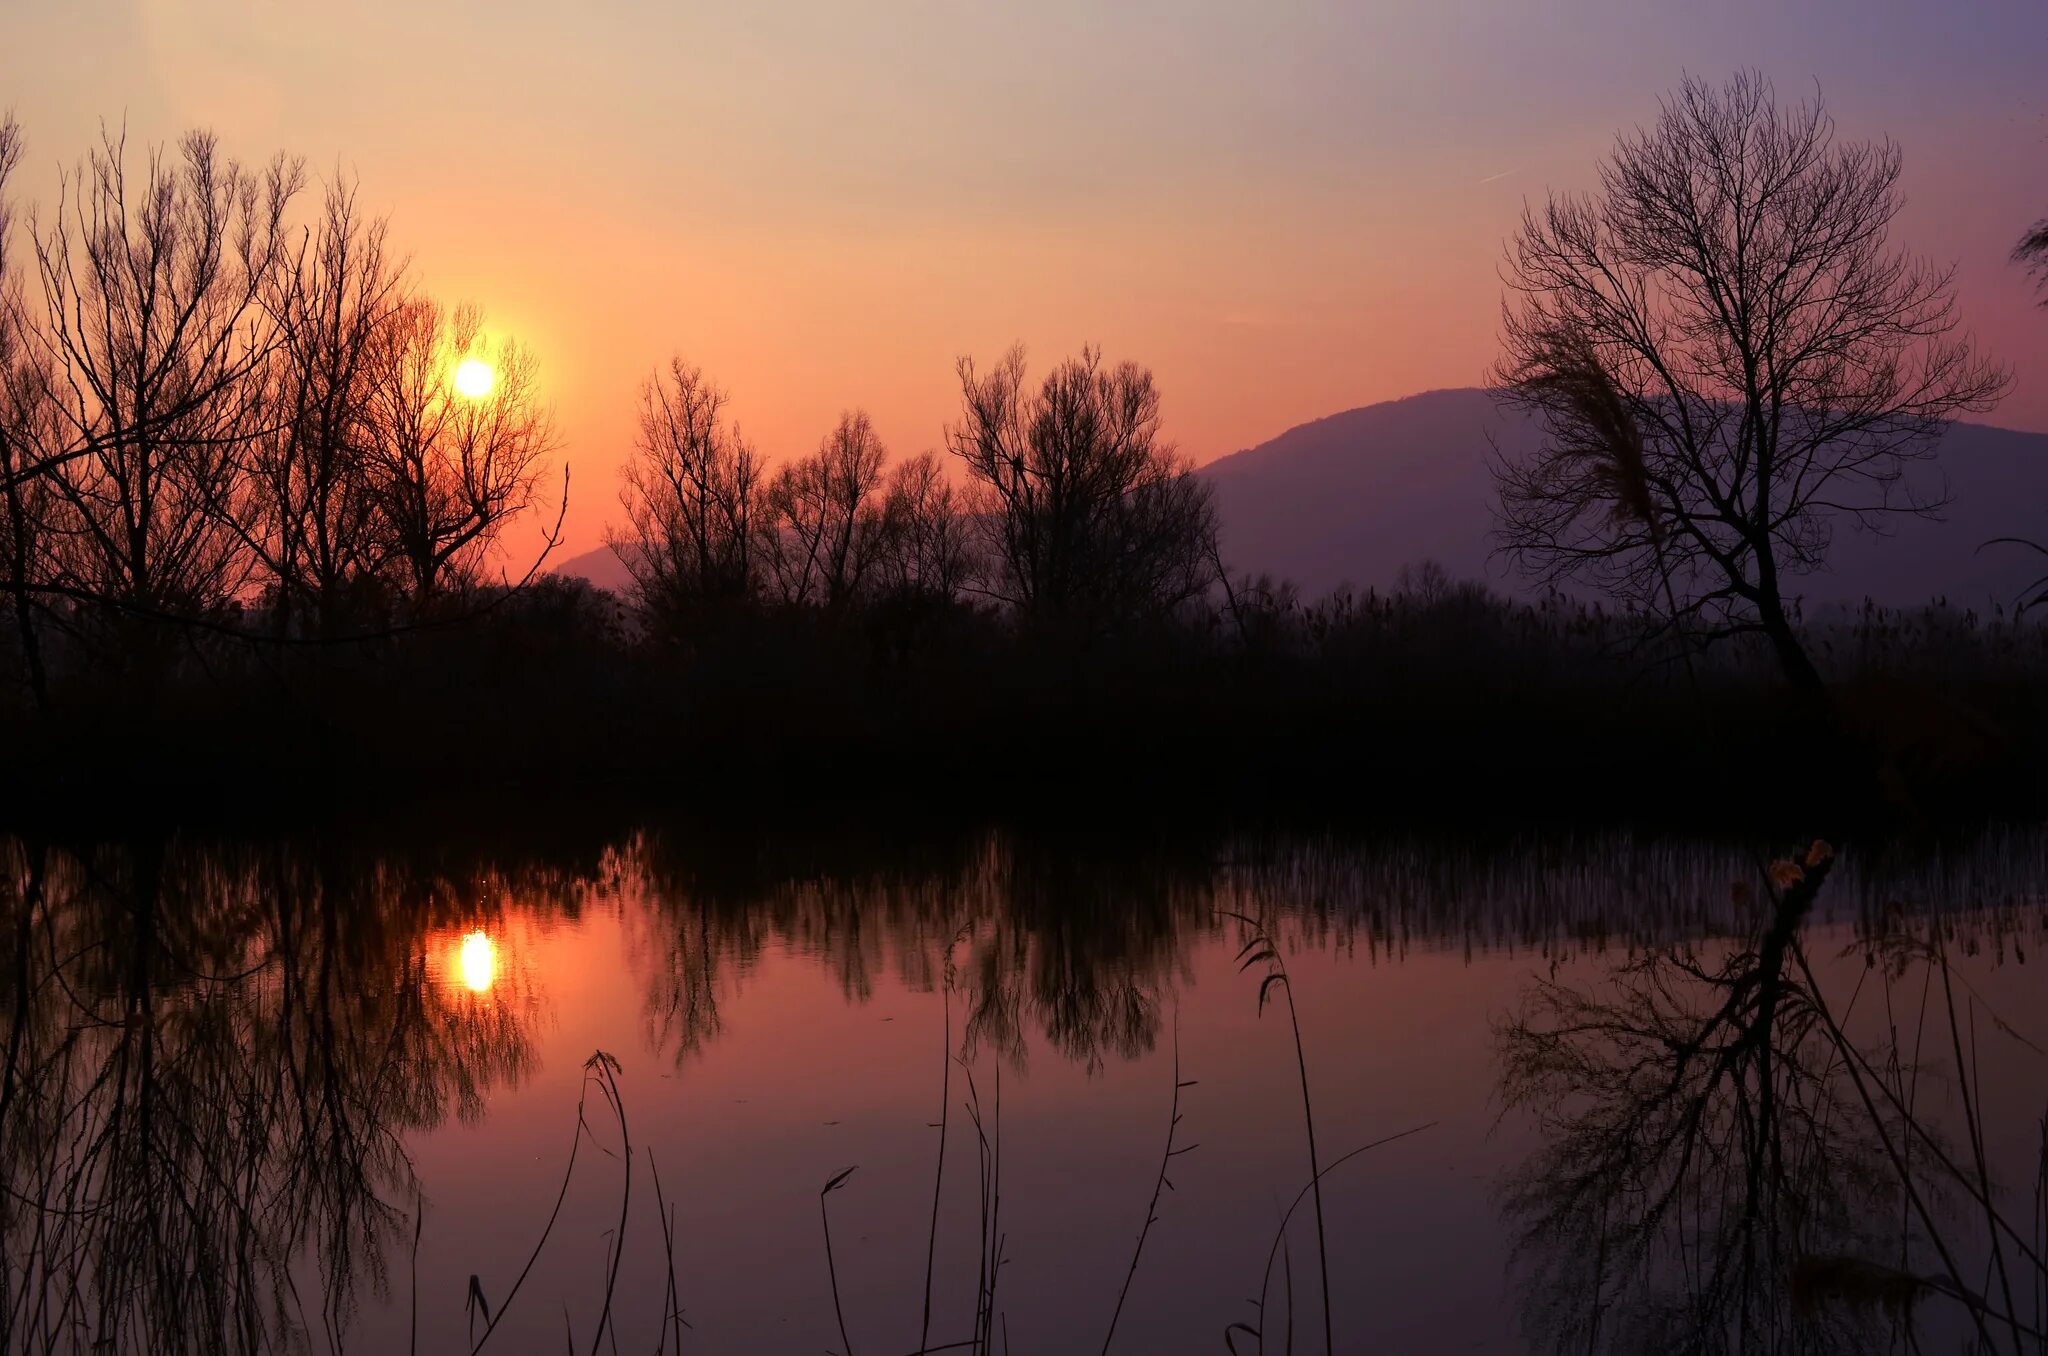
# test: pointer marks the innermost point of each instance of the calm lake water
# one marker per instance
(322, 1095)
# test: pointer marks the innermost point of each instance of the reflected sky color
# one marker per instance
(826, 1053)
(1287, 210)
(777, 1010)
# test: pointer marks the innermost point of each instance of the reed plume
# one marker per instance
(1567, 374)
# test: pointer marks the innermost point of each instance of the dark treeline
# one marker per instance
(257, 485)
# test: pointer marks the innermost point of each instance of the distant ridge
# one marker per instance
(601, 567)
(1352, 497)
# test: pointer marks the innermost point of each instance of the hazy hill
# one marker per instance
(1353, 497)
(601, 567)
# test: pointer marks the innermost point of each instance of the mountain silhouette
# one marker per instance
(601, 567)
(1351, 498)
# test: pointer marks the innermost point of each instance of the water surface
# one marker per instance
(315, 1094)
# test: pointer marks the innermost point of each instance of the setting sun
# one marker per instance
(479, 961)
(474, 378)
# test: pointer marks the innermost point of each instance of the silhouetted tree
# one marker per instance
(151, 334)
(822, 530)
(23, 496)
(1087, 518)
(449, 469)
(1727, 312)
(314, 514)
(926, 552)
(691, 493)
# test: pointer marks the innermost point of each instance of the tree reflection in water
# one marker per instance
(213, 1061)
(1055, 941)
(1724, 1167)
(216, 1054)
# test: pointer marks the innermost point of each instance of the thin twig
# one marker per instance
(931, 1248)
(831, 1269)
(1159, 1184)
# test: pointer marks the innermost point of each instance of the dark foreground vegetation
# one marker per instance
(1432, 702)
(258, 487)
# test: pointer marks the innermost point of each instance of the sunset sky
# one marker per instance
(1286, 209)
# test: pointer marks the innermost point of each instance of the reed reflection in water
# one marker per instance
(304, 1095)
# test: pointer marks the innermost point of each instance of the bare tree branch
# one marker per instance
(1764, 367)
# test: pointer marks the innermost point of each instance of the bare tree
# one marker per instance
(1087, 518)
(28, 506)
(1773, 367)
(151, 336)
(822, 532)
(315, 526)
(925, 548)
(450, 469)
(23, 498)
(691, 493)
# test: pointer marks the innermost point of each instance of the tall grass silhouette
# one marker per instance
(1259, 949)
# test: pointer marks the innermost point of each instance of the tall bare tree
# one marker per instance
(925, 548)
(1726, 311)
(315, 527)
(692, 493)
(822, 532)
(23, 498)
(1087, 518)
(152, 334)
(450, 469)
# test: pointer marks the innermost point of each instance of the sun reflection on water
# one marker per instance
(478, 961)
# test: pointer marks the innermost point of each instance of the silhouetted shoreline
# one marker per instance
(1450, 708)
(258, 488)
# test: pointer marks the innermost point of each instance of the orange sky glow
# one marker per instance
(1285, 210)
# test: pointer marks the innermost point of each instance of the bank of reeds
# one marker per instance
(1442, 703)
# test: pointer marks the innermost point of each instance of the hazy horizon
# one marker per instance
(1285, 215)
